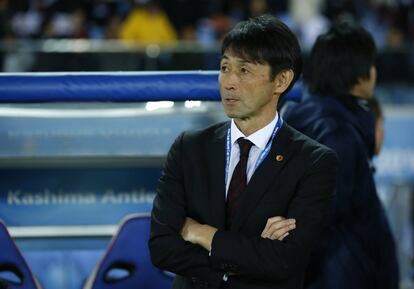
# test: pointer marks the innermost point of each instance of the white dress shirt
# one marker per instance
(259, 139)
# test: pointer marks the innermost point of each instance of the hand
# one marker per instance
(187, 231)
(196, 233)
(277, 228)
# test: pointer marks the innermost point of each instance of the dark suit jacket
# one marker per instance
(300, 186)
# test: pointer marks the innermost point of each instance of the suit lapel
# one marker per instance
(216, 160)
(263, 177)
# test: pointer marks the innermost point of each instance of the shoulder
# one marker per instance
(325, 124)
(194, 143)
(307, 148)
(215, 129)
(200, 136)
(316, 115)
(302, 142)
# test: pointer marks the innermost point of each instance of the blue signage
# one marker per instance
(75, 196)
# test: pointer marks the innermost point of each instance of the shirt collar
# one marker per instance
(259, 138)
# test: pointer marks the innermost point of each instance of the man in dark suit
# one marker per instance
(241, 203)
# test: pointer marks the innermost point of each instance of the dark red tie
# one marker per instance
(238, 181)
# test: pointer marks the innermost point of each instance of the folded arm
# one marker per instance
(277, 228)
(270, 259)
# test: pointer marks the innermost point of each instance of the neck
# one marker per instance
(249, 126)
(359, 92)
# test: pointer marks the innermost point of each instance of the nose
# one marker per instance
(228, 80)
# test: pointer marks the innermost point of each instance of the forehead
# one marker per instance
(239, 59)
(234, 58)
(243, 54)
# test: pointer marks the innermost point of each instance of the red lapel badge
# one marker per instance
(279, 158)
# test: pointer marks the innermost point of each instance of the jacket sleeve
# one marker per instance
(272, 260)
(169, 251)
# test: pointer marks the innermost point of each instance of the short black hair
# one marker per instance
(265, 40)
(339, 58)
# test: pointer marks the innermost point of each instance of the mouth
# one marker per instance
(231, 100)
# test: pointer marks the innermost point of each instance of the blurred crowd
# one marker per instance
(164, 21)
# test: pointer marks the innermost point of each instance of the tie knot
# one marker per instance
(245, 146)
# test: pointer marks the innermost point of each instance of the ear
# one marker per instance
(282, 81)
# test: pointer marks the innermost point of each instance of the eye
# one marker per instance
(244, 70)
(224, 68)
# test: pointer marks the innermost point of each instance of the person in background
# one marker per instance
(357, 250)
(148, 23)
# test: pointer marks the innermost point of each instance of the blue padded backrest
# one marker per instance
(115, 86)
(127, 263)
(13, 267)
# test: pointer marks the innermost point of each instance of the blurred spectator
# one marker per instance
(235, 9)
(148, 23)
(105, 16)
(64, 19)
(215, 24)
(338, 9)
(79, 24)
(385, 25)
(185, 14)
(3, 19)
(258, 7)
(3, 27)
(113, 27)
(308, 21)
(27, 18)
(391, 22)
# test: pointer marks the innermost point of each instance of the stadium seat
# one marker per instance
(14, 270)
(126, 263)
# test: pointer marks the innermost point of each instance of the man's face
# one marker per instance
(246, 89)
(367, 85)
